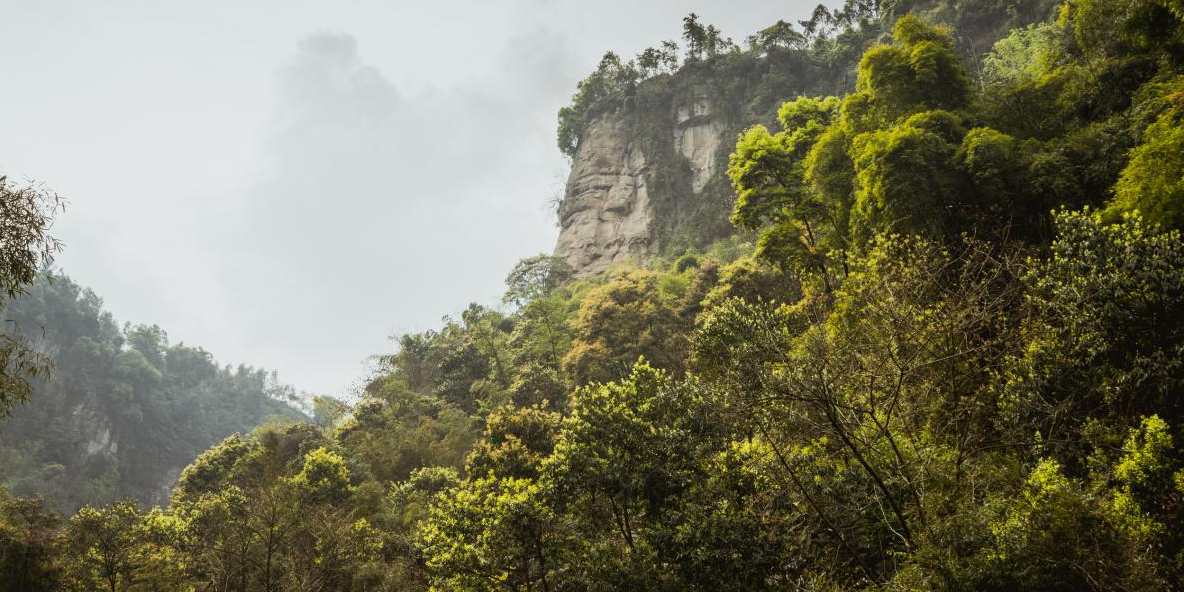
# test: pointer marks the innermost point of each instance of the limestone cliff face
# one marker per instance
(607, 214)
(697, 136)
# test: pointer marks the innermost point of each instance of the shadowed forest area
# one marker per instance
(929, 335)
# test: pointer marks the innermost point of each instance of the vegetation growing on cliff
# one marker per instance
(815, 57)
(951, 361)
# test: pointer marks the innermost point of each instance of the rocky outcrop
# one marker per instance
(697, 136)
(606, 215)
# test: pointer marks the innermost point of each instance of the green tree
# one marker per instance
(1153, 181)
(26, 247)
(767, 170)
(395, 431)
(626, 453)
(921, 72)
(695, 35)
(1101, 343)
(515, 442)
(1147, 498)
(876, 394)
(491, 534)
(328, 412)
(535, 277)
(778, 35)
(620, 321)
(489, 330)
(324, 478)
(1054, 536)
(29, 545)
(905, 182)
(1024, 56)
(162, 565)
(104, 547)
(541, 338)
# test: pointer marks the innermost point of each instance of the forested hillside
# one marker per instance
(123, 410)
(942, 350)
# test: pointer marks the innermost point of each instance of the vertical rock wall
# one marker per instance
(606, 215)
(697, 136)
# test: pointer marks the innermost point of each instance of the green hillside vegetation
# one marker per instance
(944, 352)
(123, 410)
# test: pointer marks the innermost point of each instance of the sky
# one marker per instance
(289, 184)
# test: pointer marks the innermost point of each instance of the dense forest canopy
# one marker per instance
(943, 351)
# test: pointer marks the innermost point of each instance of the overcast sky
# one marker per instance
(289, 183)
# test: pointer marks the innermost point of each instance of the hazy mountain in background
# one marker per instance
(124, 410)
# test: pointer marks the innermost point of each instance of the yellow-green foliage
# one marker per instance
(895, 156)
(1024, 56)
(760, 169)
(990, 155)
(625, 319)
(1153, 181)
(1104, 310)
(921, 72)
(515, 442)
(488, 535)
(801, 117)
(1051, 527)
(904, 180)
(752, 279)
(1144, 473)
(769, 172)
(324, 477)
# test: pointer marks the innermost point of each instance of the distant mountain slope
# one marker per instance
(124, 410)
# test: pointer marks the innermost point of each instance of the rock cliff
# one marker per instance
(607, 215)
